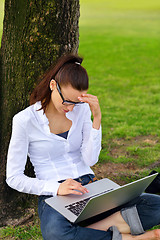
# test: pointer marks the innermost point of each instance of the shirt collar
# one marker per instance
(40, 115)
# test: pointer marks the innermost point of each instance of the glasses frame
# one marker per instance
(66, 102)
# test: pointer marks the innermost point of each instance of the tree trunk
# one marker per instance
(35, 33)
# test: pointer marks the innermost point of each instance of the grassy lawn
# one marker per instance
(1, 16)
(120, 43)
(28, 232)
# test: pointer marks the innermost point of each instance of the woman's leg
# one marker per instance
(148, 209)
(140, 214)
(55, 226)
(150, 235)
(113, 220)
(124, 229)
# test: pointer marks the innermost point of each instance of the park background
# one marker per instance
(120, 43)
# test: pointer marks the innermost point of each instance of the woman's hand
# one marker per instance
(95, 108)
(71, 186)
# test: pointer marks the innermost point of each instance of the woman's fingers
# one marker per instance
(94, 106)
(71, 186)
(79, 187)
(93, 103)
(75, 192)
(91, 99)
(88, 98)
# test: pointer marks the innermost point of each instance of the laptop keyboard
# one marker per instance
(77, 207)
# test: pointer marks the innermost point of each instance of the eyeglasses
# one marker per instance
(65, 102)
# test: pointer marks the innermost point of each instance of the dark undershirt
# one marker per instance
(64, 134)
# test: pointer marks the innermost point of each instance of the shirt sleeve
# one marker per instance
(91, 140)
(16, 161)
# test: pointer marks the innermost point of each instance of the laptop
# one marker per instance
(103, 195)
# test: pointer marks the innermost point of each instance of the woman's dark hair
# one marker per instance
(67, 70)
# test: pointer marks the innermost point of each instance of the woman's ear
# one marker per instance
(52, 85)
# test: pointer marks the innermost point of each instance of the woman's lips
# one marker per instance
(66, 111)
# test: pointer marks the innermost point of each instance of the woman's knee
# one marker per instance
(149, 210)
(150, 201)
(55, 226)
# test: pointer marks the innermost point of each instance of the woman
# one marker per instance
(57, 133)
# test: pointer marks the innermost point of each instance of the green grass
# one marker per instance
(120, 42)
(21, 232)
(1, 16)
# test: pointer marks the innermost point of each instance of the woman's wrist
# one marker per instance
(96, 122)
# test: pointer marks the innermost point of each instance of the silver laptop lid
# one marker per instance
(104, 195)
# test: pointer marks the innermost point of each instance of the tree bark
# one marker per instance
(35, 34)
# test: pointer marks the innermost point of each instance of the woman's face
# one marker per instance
(60, 94)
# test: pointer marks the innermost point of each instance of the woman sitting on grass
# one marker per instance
(57, 133)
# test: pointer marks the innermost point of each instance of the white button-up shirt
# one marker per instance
(54, 158)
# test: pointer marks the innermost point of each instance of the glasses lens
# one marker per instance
(68, 103)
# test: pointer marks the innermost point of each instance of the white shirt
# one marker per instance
(54, 158)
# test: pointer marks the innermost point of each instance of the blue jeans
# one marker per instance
(56, 227)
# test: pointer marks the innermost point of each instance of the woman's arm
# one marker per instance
(91, 132)
(94, 107)
(16, 161)
(91, 144)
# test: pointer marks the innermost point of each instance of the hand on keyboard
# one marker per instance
(71, 186)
